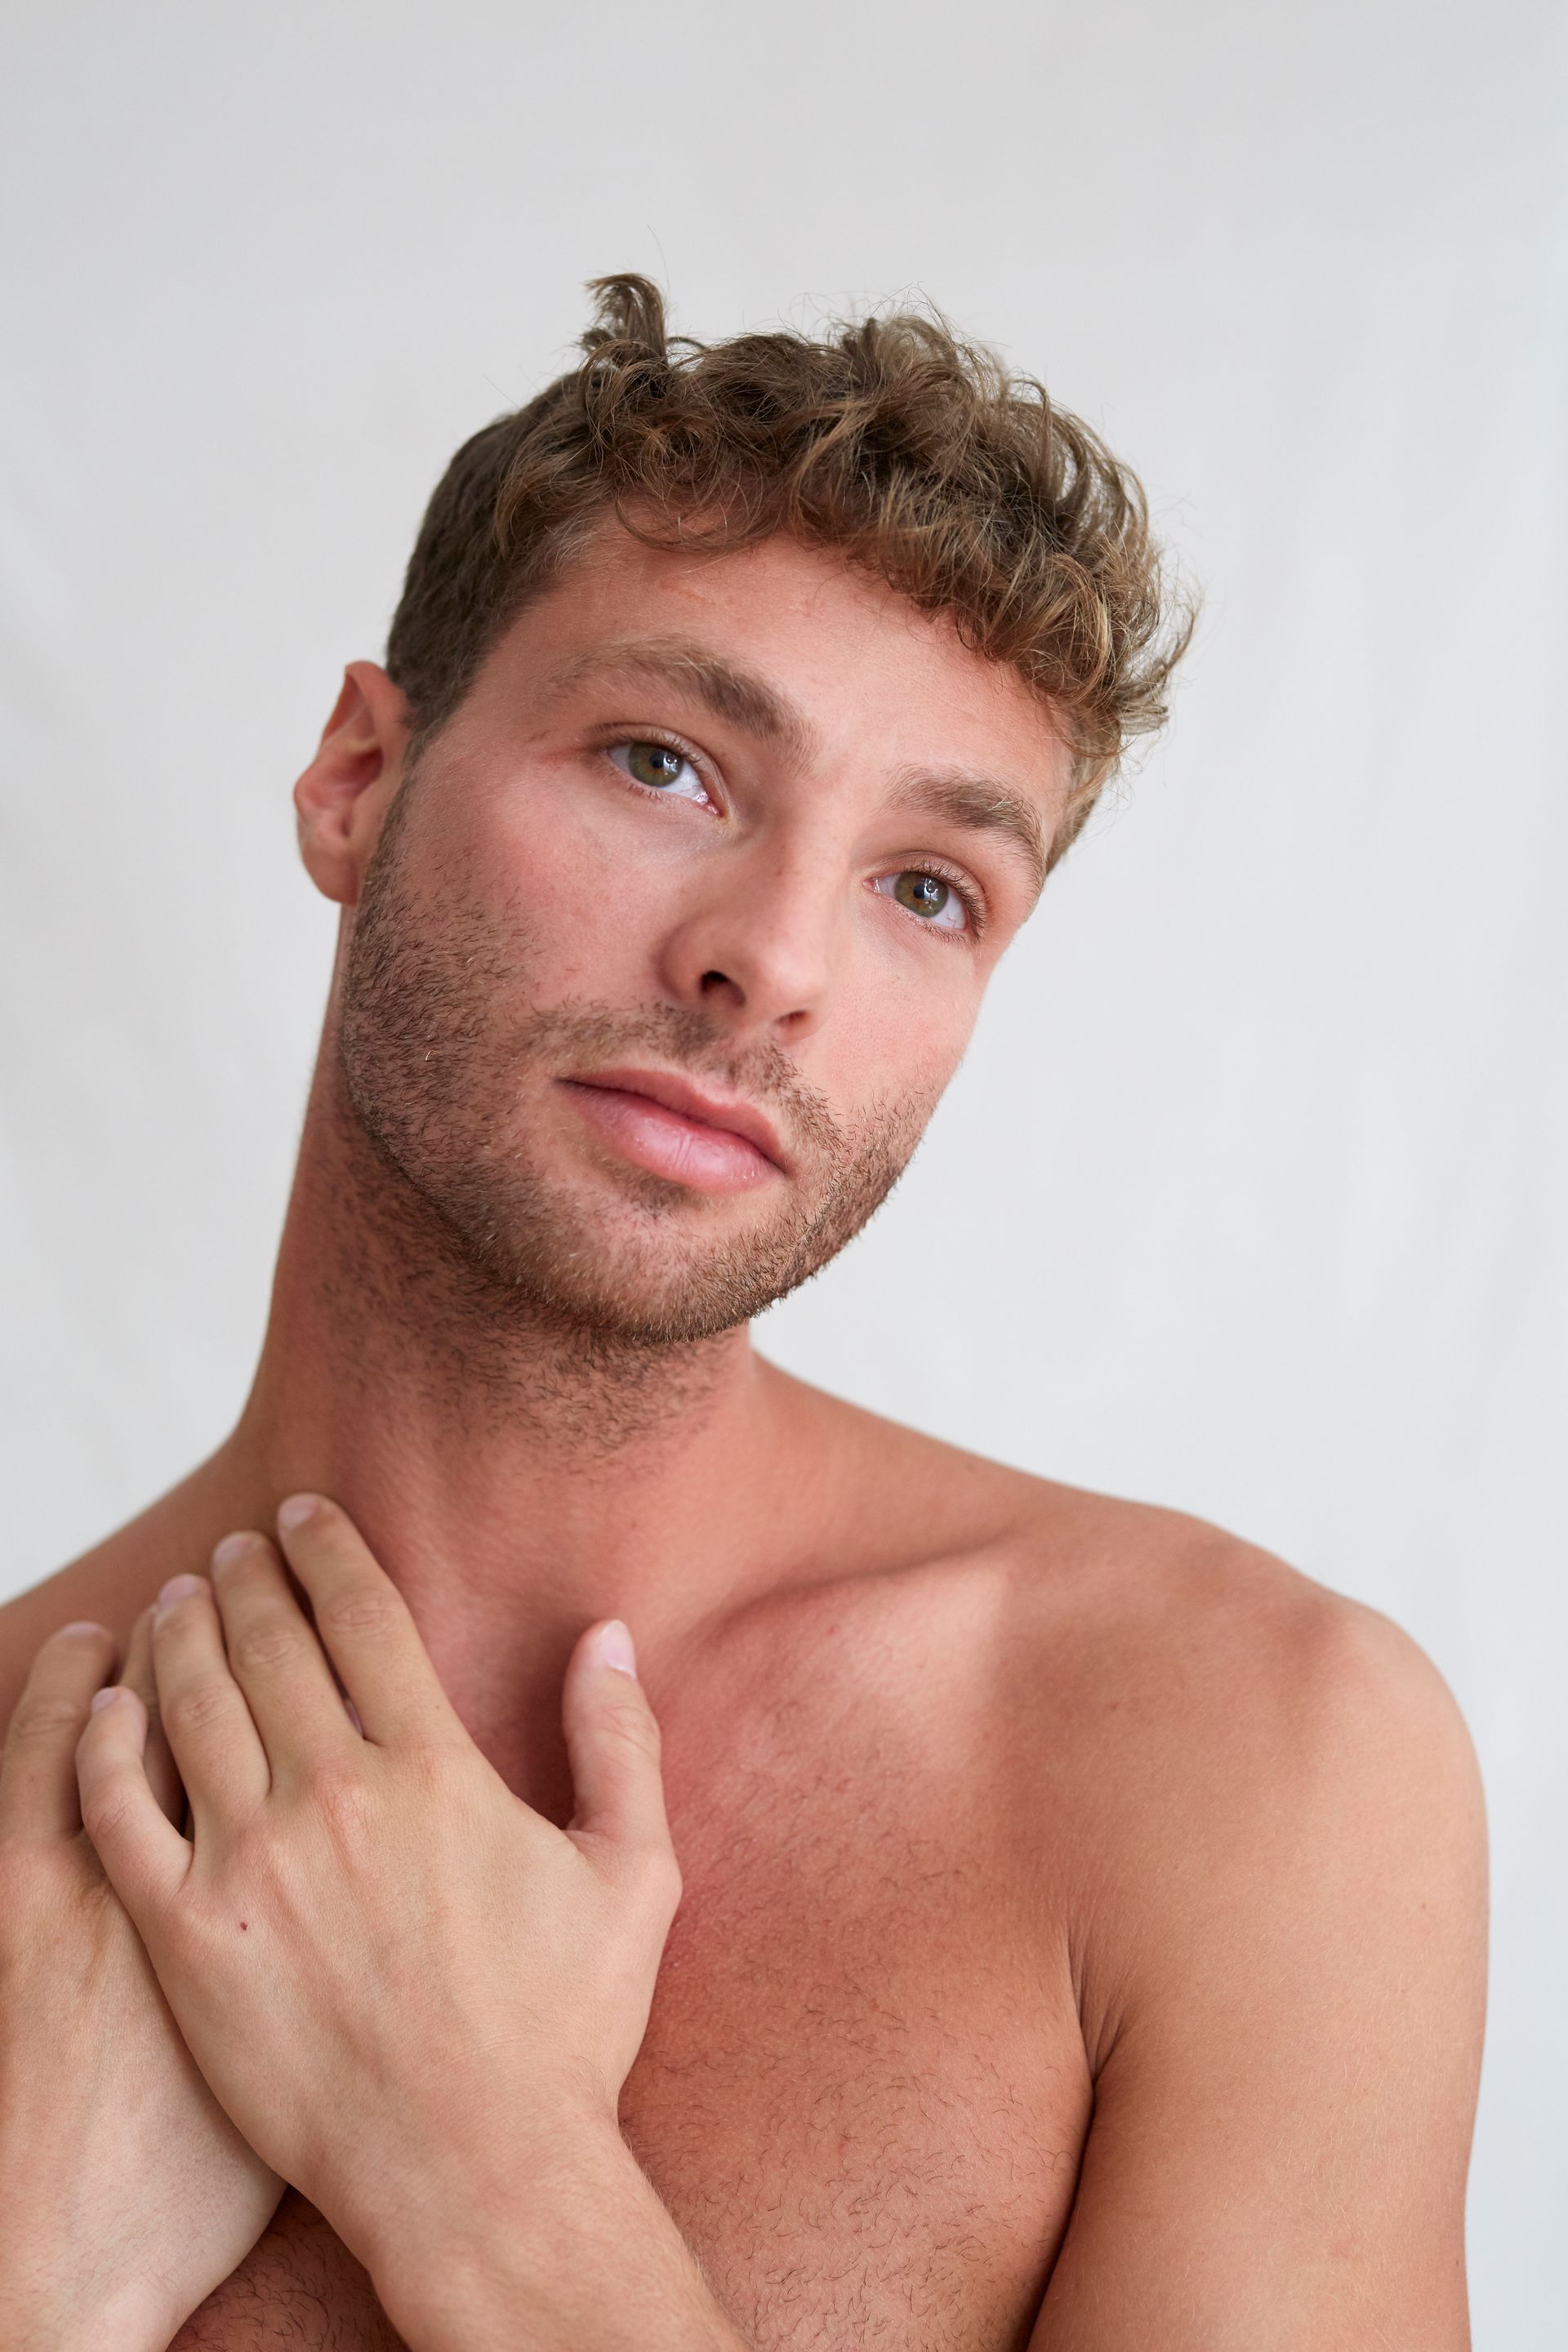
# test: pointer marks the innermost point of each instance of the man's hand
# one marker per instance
(409, 1990)
(126, 2195)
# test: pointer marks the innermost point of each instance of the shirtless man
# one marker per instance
(987, 1914)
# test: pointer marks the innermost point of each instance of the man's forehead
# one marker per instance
(770, 594)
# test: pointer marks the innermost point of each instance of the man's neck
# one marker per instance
(517, 1479)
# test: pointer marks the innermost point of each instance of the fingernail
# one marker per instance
(296, 1511)
(179, 1588)
(84, 1625)
(232, 1548)
(103, 1697)
(616, 1648)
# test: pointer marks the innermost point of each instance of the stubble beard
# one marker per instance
(439, 1041)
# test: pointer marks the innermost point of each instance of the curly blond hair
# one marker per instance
(914, 455)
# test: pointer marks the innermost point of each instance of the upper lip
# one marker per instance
(679, 1094)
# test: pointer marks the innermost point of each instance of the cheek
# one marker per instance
(888, 1043)
(592, 913)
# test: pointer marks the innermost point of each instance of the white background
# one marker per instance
(1248, 1198)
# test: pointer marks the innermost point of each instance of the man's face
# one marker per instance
(745, 831)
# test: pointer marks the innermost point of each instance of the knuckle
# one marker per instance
(364, 1609)
(429, 1758)
(43, 1717)
(195, 1705)
(636, 1727)
(343, 1797)
(262, 1649)
(438, 1767)
(105, 1809)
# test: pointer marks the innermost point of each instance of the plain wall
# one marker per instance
(1250, 1196)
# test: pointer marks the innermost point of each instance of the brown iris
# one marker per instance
(922, 894)
(654, 763)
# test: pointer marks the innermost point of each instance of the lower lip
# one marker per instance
(683, 1151)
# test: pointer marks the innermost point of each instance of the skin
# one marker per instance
(91, 2237)
(501, 1348)
(321, 1895)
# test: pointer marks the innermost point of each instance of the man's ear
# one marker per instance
(344, 793)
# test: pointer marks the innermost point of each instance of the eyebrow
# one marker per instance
(736, 696)
(979, 804)
(975, 804)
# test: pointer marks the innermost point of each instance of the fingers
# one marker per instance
(613, 1745)
(143, 1855)
(37, 1774)
(210, 1729)
(364, 1621)
(137, 1674)
(274, 1656)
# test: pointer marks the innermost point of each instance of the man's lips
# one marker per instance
(678, 1130)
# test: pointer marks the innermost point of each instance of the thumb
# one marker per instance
(613, 1744)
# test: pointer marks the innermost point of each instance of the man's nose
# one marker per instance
(757, 950)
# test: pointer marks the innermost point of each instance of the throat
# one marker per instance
(519, 1476)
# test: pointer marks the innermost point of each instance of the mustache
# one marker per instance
(591, 1034)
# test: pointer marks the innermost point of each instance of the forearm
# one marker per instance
(590, 2261)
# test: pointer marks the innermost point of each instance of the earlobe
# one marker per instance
(343, 796)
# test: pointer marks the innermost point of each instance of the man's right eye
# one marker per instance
(658, 768)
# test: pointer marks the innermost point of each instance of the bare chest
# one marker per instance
(850, 2175)
(863, 2094)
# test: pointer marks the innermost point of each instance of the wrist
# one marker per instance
(583, 2255)
(489, 2263)
(73, 2320)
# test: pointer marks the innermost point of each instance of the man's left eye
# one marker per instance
(661, 769)
(936, 902)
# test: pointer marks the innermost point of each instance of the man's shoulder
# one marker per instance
(1224, 1747)
(1200, 1651)
(1176, 1687)
(1194, 1602)
(1100, 1587)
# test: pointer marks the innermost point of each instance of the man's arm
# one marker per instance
(1287, 2088)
